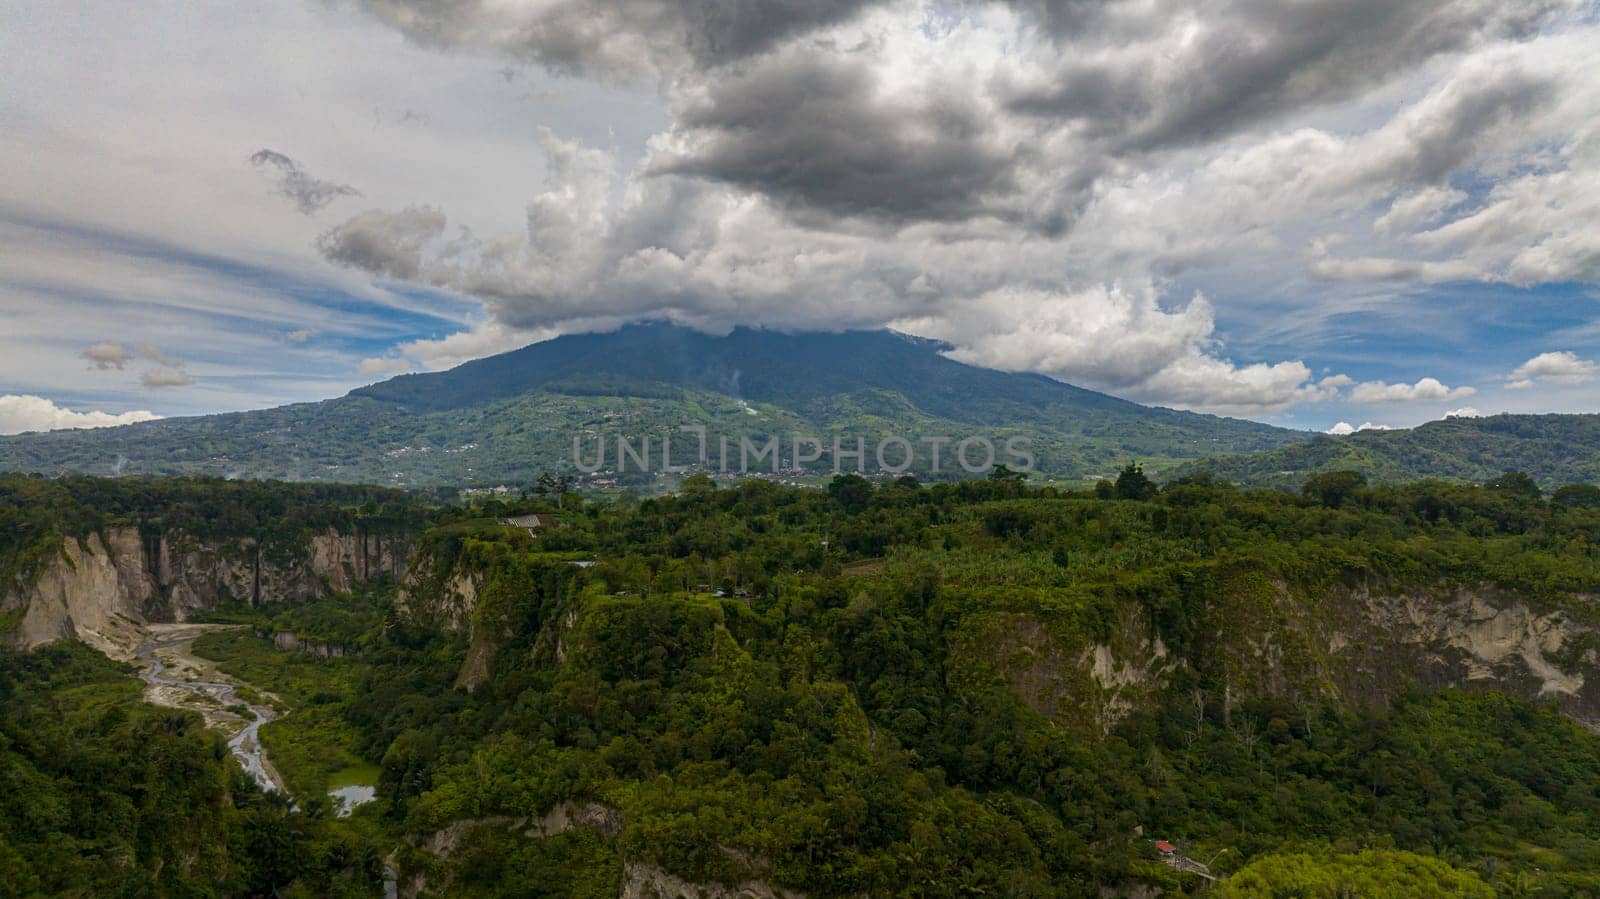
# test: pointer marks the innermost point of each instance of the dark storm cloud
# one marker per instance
(1019, 178)
(768, 99)
(615, 38)
(390, 244)
(813, 132)
(309, 194)
(1246, 61)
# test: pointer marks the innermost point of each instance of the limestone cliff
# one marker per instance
(1358, 646)
(102, 587)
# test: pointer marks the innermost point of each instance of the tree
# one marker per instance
(1133, 484)
(1332, 488)
(1577, 496)
(1002, 473)
(852, 491)
(1516, 482)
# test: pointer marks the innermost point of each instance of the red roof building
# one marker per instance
(1166, 848)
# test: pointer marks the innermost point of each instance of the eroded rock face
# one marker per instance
(444, 599)
(1360, 647)
(1473, 637)
(102, 588)
(92, 592)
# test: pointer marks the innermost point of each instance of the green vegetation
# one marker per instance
(1374, 874)
(36, 513)
(312, 746)
(963, 689)
(101, 795)
(509, 418)
(885, 698)
(1553, 449)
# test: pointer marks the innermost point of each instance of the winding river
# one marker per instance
(176, 678)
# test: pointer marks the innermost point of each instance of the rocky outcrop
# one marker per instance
(640, 880)
(1359, 646)
(102, 587)
(289, 641)
(438, 594)
(95, 591)
(1472, 637)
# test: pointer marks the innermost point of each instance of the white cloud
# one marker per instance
(1419, 207)
(22, 413)
(1464, 412)
(300, 335)
(1425, 390)
(1560, 367)
(383, 367)
(827, 165)
(1345, 428)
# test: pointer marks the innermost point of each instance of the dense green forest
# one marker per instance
(36, 513)
(102, 795)
(892, 690)
(1554, 449)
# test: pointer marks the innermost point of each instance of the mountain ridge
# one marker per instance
(511, 417)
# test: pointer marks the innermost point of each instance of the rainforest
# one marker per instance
(745, 689)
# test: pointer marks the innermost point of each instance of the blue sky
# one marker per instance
(1366, 213)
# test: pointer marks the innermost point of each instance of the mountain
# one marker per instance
(1554, 449)
(511, 417)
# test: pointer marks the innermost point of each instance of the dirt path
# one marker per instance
(175, 677)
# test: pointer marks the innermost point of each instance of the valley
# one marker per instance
(180, 680)
(787, 691)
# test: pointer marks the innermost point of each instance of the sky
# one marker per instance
(1323, 215)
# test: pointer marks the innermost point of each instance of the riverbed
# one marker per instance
(176, 678)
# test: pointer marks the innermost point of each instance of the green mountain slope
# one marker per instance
(509, 418)
(1554, 449)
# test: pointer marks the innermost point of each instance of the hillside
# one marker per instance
(950, 690)
(512, 417)
(1554, 449)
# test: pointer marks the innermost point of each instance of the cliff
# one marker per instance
(101, 588)
(1358, 646)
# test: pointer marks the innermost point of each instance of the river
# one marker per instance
(176, 678)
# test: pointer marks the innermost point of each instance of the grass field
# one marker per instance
(311, 746)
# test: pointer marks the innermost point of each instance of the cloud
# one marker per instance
(23, 413)
(1464, 412)
(1345, 428)
(106, 355)
(1016, 179)
(1561, 367)
(310, 195)
(1420, 207)
(300, 335)
(614, 39)
(815, 165)
(1120, 339)
(384, 243)
(1424, 390)
(168, 371)
(154, 354)
(383, 366)
(157, 378)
